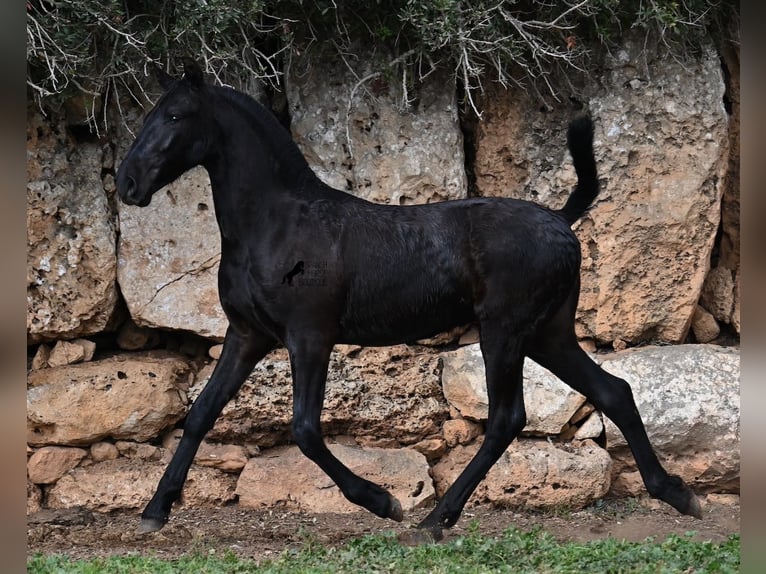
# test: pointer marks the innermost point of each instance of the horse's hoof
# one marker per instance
(395, 511)
(419, 536)
(150, 525)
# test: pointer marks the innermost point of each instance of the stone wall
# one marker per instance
(124, 323)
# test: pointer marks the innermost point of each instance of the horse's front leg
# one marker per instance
(309, 360)
(240, 354)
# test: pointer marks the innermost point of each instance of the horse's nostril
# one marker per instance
(127, 188)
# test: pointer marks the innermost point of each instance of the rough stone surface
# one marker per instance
(40, 360)
(101, 451)
(138, 450)
(358, 138)
(534, 474)
(380, 396)
(718, 294)
(71, 263)
(704, 326)
(131, 337)
(460, 431)
(549, 402)
(50, 463)
(226, 457)
(125, 398)
(168, 259)
(34, 498)
(431, 448)
(302, 485)
(661, 145)
(122, 483)
(71, 352)
(591, 428)
(688, 397)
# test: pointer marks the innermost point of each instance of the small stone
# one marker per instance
(131, 337)
(704, 325)
(581, 413)
(619, 345)
(591, 428)
(50, 463)
(40, 360)
(225, 457)
(588, 345)
(431, 448)
(722, 499)
(101, 451)
(460, 431)
(71, 352)
(214, 352)
(141, 451)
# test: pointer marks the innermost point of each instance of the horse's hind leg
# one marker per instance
(309, 360)
(239, 356)
(557, 350)
(504, 362)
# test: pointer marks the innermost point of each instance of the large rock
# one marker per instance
(661, 146)
(688, 397)
(169, 253)
(534, 474)
(383, 397)
(122, 483)
(549, 402)
(124, 398)
(302, 485)
(359, 136)
(71, 263)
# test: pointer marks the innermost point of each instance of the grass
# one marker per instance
(514, 551)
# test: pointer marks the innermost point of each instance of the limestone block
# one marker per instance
(124, 398)
(303, 486)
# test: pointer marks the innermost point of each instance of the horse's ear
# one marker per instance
(193, 73)
(163, 77)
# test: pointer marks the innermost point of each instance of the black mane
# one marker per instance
(287, 153)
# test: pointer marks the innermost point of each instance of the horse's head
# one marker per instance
(174, 138)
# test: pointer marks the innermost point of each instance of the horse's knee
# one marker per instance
(615, 398)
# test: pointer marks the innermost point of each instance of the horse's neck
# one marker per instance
(249, 175)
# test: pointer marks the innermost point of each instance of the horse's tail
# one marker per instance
(580, 142)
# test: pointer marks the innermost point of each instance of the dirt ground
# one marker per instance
(263, 534)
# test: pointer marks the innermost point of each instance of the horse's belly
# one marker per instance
(388, 322)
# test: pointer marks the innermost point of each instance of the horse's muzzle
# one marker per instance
(129, 191)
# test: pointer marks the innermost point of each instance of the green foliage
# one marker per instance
(94, 45)
(514, 551)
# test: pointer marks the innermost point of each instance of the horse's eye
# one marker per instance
(174, 117)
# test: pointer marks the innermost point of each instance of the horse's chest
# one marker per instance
(269, 293)
(242, 293)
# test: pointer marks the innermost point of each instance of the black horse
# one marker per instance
(374, 275)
